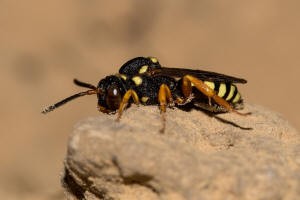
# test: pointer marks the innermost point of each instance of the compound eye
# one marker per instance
(113, 97)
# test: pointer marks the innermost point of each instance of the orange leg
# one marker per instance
(164, 97)
(126, 97)
(179, 100)
(210, 93)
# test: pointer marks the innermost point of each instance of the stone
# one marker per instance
(200, 156)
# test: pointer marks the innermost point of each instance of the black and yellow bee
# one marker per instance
(143, 80)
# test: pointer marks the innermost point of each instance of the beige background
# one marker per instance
(45, 44)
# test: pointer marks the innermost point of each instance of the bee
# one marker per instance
(142, 80)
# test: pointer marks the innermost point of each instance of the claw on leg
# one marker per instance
(164, 97)
(126, 97)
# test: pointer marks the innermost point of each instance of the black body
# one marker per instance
(156, 75)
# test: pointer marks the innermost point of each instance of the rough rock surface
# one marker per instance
(198, 157)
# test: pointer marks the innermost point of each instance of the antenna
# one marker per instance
(93, 90)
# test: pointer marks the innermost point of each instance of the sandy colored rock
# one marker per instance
(198, 157)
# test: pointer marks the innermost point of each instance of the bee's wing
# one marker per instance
(200, 74)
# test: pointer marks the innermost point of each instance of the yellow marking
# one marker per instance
(192, 84)
(154, 60)
(143, 69)
(144, 99)
(231, 92)
(123, 76)
(236, 98)
(210, 84)
(137, 80)
(222, 90)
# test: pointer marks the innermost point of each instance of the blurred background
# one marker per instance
(45, 44)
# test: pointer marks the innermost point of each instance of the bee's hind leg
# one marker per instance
(187, 82)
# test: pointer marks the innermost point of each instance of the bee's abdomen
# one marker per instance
(227, 91)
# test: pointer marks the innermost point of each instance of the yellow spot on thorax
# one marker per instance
(236, 98)
(123, 76)
(231, 92)
(144, 99)
(143, 69)
(137, 80)
(222, 90)
(153, 59)
(210, 84)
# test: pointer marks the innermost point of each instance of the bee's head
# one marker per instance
(112, 91)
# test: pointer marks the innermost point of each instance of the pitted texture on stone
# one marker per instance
(198, 157)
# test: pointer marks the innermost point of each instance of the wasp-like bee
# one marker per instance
(143, 80)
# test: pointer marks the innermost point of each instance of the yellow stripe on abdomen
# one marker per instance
(222, 90)
(236, 98)
(231, 92)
